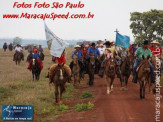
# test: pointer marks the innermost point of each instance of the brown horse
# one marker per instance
(143, 76)
(76, 71)
(17, 58)
(110, 74)
(91, 70)
(59, 79)
(125, 69)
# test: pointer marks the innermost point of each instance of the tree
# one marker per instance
(147, 26)
(17, 40)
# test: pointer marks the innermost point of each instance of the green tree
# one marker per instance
(147, 26)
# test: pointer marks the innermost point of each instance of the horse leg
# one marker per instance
(122, 80)
(33, 75)
(108, 85)
(144, 89)
(56, 93)
(126, 82)
(60, 94)
(74, 80)
(141, 89)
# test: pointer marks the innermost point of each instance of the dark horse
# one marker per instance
(35, 69)
(125, 71)
(10, 47)
(5, 47)
(143, 75)
(59, 79)
(91, 70)
(110, 74)
(17, 58)
(42, 56)
(29, 57)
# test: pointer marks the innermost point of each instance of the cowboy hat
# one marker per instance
(93, 44)
(155, 42)
(77, 46)
(107, 43)
(145, 42)
(101, 45)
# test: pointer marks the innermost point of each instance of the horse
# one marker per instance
(76, 71)
(143, 75)
(91, 70)
(42, 56)
(10, 47)
(17, 58)
(35, 69)
(29, 57)
(59, 79)
(125, 71)
(110, 74)
(4, 47)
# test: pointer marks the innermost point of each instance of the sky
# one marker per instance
(108, 15)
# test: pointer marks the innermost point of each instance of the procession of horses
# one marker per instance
(103, 59)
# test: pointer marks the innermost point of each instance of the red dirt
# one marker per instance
(120, 106)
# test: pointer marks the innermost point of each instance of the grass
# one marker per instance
(84, 107)
(63, 107)
(86, 94)
(17, 87)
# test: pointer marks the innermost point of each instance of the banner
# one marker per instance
(55, 44)
(122, 40)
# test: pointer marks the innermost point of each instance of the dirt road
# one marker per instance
(120, 106)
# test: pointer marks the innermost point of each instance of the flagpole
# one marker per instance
(116, 35)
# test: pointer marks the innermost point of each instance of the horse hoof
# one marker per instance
(108, 91)
(60, 102)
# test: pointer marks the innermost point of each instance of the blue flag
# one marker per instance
(122, 40)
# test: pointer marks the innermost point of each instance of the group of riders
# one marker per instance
(101, 52)
(5, 46)
(109, 50)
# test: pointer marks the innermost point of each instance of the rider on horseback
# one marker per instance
(18, 49)
(37, 57)
(79, 55)
(138, 54)
(95, 52)
(60, 61)
(40, 49)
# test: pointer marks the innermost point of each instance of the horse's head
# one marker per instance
(129, 62)
(92, 59)
(33, 61)
(75, 59)
(60, 71)
(111, 65)
(145, 62)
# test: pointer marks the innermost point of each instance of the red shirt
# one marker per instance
(84, 51)
(155, 50)
(61, 60)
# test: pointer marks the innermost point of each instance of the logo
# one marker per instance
(17, 112)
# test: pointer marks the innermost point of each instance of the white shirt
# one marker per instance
(101, 50)
(19, 49)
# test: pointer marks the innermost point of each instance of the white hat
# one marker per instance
(77, 46)
(155, 42)
(101, 45)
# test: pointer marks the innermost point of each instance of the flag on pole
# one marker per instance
(55, 44)
(122, 40)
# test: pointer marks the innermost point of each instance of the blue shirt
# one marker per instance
(93, 51)
(36, 55)
(79, 54)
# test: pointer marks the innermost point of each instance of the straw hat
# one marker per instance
(77, 46)
(101, 45)
(155, 42)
